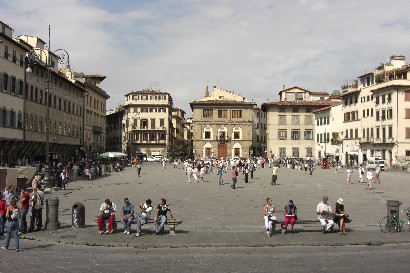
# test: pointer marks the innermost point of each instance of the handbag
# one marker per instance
(106, 215)
(272, 218)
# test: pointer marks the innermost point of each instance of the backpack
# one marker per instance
(15, 214)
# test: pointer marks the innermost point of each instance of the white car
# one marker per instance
(150, 159)
(158, 158)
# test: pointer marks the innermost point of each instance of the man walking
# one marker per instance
(234, 175)
(377, 172)
(369, 176)
(274, 174)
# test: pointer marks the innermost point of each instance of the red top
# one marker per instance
(2, 207)
(26, 203)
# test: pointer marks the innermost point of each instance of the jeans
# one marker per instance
(233, 183)
(139, 219)
(37, 216)
(2, 223)
(221, 179)
(159, 226)
(127, 221)
(12, 227)
(23, 221)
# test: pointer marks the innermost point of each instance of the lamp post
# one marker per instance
(63, 58)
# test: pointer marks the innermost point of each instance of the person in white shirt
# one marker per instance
(107, 210)
(377, 172)
(325, 215)
(361, 173)
(369, 176)
(143, 216)
(349, 174)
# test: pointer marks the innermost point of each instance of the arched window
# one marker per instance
(222, 133)
(36, 95)
(40, 124)
(55, 102)
(35, 124)
(12, 118)
(20, 120)
(41, 96)
(31, 93)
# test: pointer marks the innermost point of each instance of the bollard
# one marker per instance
(393, 206)
(78, 215)
(52, 222)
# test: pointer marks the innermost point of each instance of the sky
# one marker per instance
(251, 47)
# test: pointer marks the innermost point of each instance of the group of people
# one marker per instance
(13, 218)
(129, 213)
(369, 175)
(326, 215)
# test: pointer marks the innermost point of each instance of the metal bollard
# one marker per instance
(52, 222)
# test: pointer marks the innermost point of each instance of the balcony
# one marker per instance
(222, 139)
(97, 130)
(148, 142)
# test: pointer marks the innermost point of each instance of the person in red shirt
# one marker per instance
(25, 205)
(2, 214)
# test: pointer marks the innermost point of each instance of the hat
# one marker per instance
(340, 201)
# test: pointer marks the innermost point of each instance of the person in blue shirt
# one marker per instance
(127, 215)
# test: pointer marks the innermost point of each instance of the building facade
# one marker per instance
(115, 130)
(376, 110)
(178, 145)
(291, 122)
(12, 78)
(222, 125)
(148, 123)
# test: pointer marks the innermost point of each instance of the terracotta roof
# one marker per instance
(318, 93)
(327, 107)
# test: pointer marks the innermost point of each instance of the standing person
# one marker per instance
(64, 178)
(251, 168)
(377, 174)
(202, 173)
(340, 217)
(37, 200)
(269, 215)
(246, 169)
(127, 215)
(189, 172)
(164, 164)
(25, 205)
(220, 174)
(361, 173)
(139, 166)
(325, 215)
(234, 176)
(161, 216)
(107, 210)
(195, 174)
(10, 194)
(349, 174)
(143, 216)
(311, 167)
(274, 174)
(369, 177)
(290, 215)
(2, 214)
(75, 171)
(12, 214)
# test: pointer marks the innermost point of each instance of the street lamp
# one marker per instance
(63, 58)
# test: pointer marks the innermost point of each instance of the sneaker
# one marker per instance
(268, 233)
(4, 248)
(125, 231)
(110, 231)
(128, 232)
(137, 235)
(101, 232)
(107, 231)
(17, 250)
(20, 233)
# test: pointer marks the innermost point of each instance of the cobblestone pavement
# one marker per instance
(216, 215)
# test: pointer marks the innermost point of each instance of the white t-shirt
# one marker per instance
(323, 207)
(369, 175)
(147, 211)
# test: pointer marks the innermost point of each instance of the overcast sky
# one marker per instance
(247, 46)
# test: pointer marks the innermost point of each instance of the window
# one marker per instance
(153, 97)
(295, 152)
(390, 132)
(295, 120)
(236, 133)
(5, 82)
(376, 100)
(383, 99)
(309, 152)
(388, 98)
(207, 152)
(282, 120)
(295, 110)
(237, 152)
(207, 113)
(282, 152)
(407, 132)
(207, 134)
(407, 95)
(6, 52)
(153, 110)
(144, 110)
(377, 132)
(347, 134)
(308, 134)
(407, 113)
(236, 113)
(308, 120)
(308, 110)
(144, 97)
(144, 124)
(295, 134)
(282, 110)
(282, 134)
(377, 115)
(389, 113)
(161, 122)
(152, 123)
(223, 113)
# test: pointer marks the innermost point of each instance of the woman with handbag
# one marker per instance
(340, 216)
(269, 212)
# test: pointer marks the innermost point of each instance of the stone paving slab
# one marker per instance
(216, 215)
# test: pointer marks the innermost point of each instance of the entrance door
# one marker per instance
(222, 150)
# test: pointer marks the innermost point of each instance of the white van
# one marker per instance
(373, 161)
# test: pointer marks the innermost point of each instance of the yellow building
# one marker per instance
(222, 125)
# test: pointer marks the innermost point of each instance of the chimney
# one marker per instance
(283, 87)
(206, 92)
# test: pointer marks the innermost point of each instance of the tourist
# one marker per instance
(290, 215)
(127, 215)
(37, 200)
(325, 215)
(13, 214)
(143, 216)
(234, 176)
(269, 213)
(361, 173)
(161, 216)
(139, 167)
(377, 174)
(220, 174)
(369, 176)
(274, 174)
(340, 216)
(349, 174)
(2, 214)
(25, 205)
(107, 210)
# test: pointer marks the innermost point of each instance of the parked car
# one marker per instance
(373, 161)
(158, 158)
(150, 158)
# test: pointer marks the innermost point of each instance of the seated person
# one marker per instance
(161, 216)
(107, 211)
(269, 217)
(340, 216)
(290, 215)
(325, 215)
(144, 216)
(127, 215)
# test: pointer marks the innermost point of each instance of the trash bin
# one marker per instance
(103, 169)
(393, 206)
(78, 215)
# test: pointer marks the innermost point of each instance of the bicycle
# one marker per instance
(392, 223)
